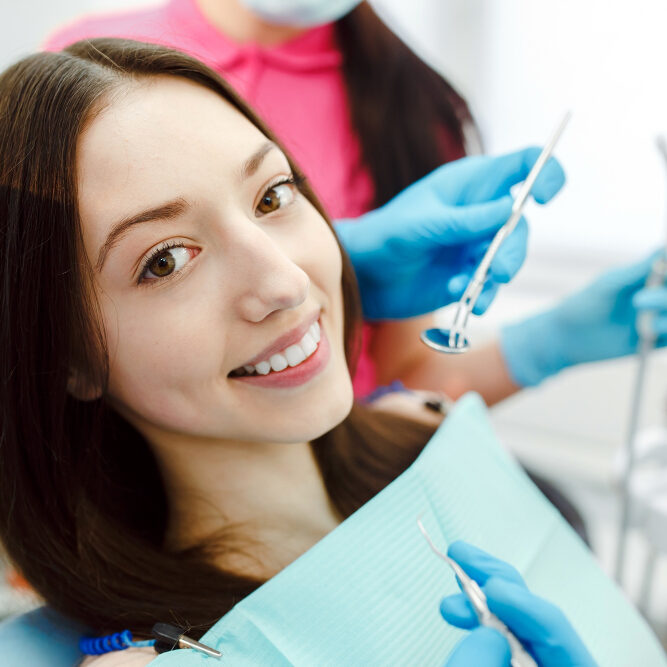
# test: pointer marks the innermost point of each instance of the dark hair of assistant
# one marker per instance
(83, 510)
(408, 118)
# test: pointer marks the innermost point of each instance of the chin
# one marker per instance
(310, 424)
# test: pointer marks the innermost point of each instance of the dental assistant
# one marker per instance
(364, 117)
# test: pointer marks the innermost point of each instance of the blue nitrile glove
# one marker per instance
(597, 323)
(539, 625)
(417, 253)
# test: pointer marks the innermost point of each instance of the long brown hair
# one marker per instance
(85, 528)
(408, 118)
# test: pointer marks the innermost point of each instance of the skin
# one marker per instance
(230, 452)
(396, 349)
(233, 19)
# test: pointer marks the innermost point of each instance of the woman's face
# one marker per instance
(209, 265)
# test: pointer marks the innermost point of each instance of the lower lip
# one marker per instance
(294, 376)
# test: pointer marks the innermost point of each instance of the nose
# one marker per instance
(269, 278)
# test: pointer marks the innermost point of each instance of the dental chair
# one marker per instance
(40, 638)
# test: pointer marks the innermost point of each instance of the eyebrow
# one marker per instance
(167, 211)
(253, 163)
(175, 208)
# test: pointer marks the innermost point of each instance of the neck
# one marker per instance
(271, 496)
(237, 22)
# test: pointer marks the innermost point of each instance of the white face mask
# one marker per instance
(306, 13)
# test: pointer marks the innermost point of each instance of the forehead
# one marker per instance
(157, 139)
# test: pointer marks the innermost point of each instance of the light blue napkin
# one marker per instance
(368, 593)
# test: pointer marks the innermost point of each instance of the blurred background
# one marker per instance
(521, 64)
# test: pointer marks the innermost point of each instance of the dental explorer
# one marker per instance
(647, 341)
(471, 589)
(454, 341)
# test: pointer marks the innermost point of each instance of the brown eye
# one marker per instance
(275, 197)
(163, 264)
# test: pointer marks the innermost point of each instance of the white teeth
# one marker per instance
(263, 367)
(278, 362)
(308, 344)
(295, 355)
(292, 356)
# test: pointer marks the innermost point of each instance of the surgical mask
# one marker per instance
(305, 13)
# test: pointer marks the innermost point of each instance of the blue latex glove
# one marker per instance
(417, 253)
(539, 625)
(597, 323)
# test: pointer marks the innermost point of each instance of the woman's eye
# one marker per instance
(165, 262)
(276, 196)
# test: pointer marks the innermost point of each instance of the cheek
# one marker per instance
(152, 350)
(325, 260)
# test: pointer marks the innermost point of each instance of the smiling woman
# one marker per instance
(179, 325)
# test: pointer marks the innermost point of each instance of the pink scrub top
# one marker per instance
(297, 87)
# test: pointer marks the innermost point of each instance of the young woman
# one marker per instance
(179, 325)
(332, 71)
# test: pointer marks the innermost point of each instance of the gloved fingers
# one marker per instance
(539, 625)
(511, 254)
(651, 298)
(660, 328)
(457, 610)
(457, 284)
(549, 182)
(530, 618)
(634, 275)
(456, 225)
(496, 176)
(483, 646)
(480, 565)
(486, 297)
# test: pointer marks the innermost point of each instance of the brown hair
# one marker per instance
(83, 527)
(408, 118)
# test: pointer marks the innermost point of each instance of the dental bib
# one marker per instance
(369, 592)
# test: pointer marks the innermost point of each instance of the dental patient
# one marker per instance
(179, 328)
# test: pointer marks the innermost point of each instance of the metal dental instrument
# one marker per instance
(520, 658)
(646, 344)
(454, 341)
(169, 637)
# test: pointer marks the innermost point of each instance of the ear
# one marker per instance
(80, 387)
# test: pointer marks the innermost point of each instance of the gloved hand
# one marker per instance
(418, 252)
(539, 625)
(599, 322)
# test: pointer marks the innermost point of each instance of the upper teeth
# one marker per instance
(291, 356)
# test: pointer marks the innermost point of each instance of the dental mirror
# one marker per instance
(454, 340)
(438, 339)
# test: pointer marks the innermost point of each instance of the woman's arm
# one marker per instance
(398, 354)
(596, 323)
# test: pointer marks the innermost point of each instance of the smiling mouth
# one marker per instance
(291, 356)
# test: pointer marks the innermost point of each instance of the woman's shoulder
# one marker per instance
(427, 407)
(131, 657)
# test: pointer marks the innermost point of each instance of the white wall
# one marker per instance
(521, 63)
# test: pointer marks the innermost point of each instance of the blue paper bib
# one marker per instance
(369, 592)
